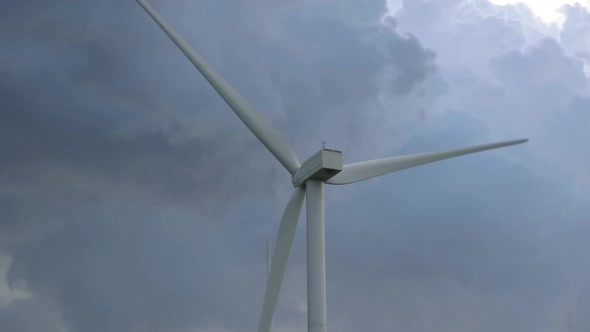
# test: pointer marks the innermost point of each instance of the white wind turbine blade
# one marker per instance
(372, 168)
(260, 126)
(280, 257)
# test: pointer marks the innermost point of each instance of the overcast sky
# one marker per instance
(133, 199)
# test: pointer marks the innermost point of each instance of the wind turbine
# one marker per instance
(308, 178)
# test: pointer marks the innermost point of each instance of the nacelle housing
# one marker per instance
(323, 165)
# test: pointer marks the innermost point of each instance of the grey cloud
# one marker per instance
(564, 140)
(529, 72)
(529, 93)
(517, 89)
(122, 196)
(123, 265)
(337, 84)
(513, 264)
(130, 196)
(30, 315)
(576, 31)
(453, 27)
(433, 247)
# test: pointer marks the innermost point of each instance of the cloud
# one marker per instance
(30, 315)
(448, 257)
(130, 196)
(453, 27)
(435, 253)
(576, 29)
(518, 88)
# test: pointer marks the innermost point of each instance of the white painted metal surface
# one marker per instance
(323, 165)
(372, 168)
(280, 257)
(259, 125)
(316, 257)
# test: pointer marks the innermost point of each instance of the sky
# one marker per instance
(133, 199)
(548, 10)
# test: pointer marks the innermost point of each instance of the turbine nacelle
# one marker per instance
(323, 165)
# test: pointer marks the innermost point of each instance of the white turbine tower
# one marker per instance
(323, 167)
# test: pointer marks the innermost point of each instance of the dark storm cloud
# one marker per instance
(29, 316)
(122, 198)
(329, 64)
(530, 92)
(446, 256)
(149, 270)
(73, 105)
(435, 254)
(123, 177)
